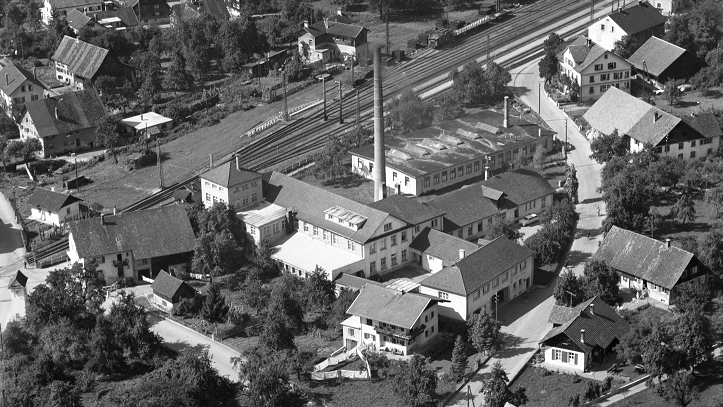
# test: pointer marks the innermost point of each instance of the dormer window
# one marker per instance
(330, 217)
(345, 217)
(388, 227)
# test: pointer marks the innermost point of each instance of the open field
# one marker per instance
(674, 229)
(547, 389)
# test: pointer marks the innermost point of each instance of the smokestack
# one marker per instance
(379, 166)
(592, 309)
(306, 23)
(238, 164)
(461, 254)
(210, 161)
(582, 335)
(506, 119)
(338, 11)
(667, 243)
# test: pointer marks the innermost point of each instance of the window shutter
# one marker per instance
(576, 358)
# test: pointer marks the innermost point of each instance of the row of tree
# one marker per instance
(551, 240)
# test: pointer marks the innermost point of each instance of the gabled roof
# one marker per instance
(656, 56)
(704, 123)
(83, 59)
(584, 52)
(560, 315)
(407, 209)
(75, 111)
(442, 245)
(229, 174)
(637, 18)
(520, 186)
(390, 306)
(126, 14)
(601, 327)
(16, 76)
(334, 28)
(18, 278)
(353, 282)
(463, 207)
(630, 116)
(148, 233)
(50, 200)
(643, 257)
(341, 18)
(309, 203)
(479, 267)
(185, 11)
(216, 8)
(167, 285)
(76, 20)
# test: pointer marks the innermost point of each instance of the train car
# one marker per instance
(439, 38)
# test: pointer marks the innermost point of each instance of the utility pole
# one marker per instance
(488, 52)
(341, 117)
(286, 105)
(77, 183)
(539, 98)
(323, 84)
(564, 146)
(160, 164)
(358, 110)
(592, 10)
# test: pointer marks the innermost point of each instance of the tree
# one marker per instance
(710, 250)
(572, 184)
(659, 355)
(295, 69)
(265, 380)
(484, 332)
(714, 196)
(459, 359)
(548, 66)
(672, 93)
(255, 295)
(283, 316)
(239, 40)
(601, 280)
(631, 345)
(445, 108)
(606, 146)
(691, 298)
(408, 113)
(132, 330)
(414, 382)
(339, 307)
(318, 290)
(502, 227)
(24, 150)
(220, 240)
(109, 132)
(679, 388)
(684, 209)
(652, 221)
(569, 290)
(177, 77)
(478, 86)
(496, 391)
(547, 243)
(538, 159)
(626, 46)
(692, 338)
(214, 308)
(554, 43)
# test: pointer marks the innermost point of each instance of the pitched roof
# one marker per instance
(464, 206)
(584, 52)
(407, 209)
(341, 18)
(630, 116)
(561, 315)
(148, 233)
(637, 18)
(76, 20)
(19, 278)
(601, 326)
(334, 28)
(309, 204)
(657, 55)
(75, 111)
(83, 59)
(390, 306)
(479, 267)
(216, 8)
(167, 285)
(229, 174)
(353, 282)
(520, 186)
(643, 257)
(704, 123)
(185, 11)
(442, 245)
(16, 76)
(62, 4)
(126, 14)
(50, 200)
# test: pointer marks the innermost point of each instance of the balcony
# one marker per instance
(400, 333)
(120, 263)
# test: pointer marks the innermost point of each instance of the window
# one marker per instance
(557, 354)
(476, 295)
(323, 233)
(616, 75)
(627, 74)
(394, 240)
(22, 88)
(333, 238)
(460, 233)
(372, 249)
(33, 97)
(208, 197)
(612, 65)
(350, 331)
(394, 259)
(306, 227)
(436, 178)
(388, 226)
(692, 154)
(603, 88)
(404, 255)
(426, 181)
(605, 77)
(680, 146)
(486, 288)
(404, 236)
(416, 229)
(602, 28)
(571, 357)
(495, 282)
(469, 168)
(469, 230)
(476, 166)
(460, 170)
(692, 143)
(592, 90)
(244, 187)
(435, 222)
(267, 230)
(406, 181)
(316, 231)
(252, 230)
(253, 197)
(373, 267)
(383, 245)
(444, 176)
(453, 173)
(599, 67)
(383, 262)
(443, 295)
(394, 175)
(276, 229)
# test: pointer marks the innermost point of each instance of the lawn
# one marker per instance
(676, 230)
(547, 389)
(359, 393)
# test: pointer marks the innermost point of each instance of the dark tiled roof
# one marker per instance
(229, 175)
(578, 49)
(126, 14)
(340, 18)
(520, 185)
(442, 245)
(479, 268)
(76, 20)
(705, 124)
(50, 200)
(407, 209)
(643, 257)
(167, 285)
(16, 76)
(334, 28)
(594, 52)
(216, 8)
(62, 4)
(19, 278)
(390, 306)
(353, 282)
(601, 328)
(148, 233)
(75, 111)
(83, 59)
(658, 55)
(463, 207)
(561, 315)
(309, 203)
(637, 18)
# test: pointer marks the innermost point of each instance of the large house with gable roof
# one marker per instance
(639, 20)
(77, 61)
(63, 7)
(333, 39)
(660, 61)
(17, 86)
(581, 335)
(52, 207)
(654, 268)
(639, 123)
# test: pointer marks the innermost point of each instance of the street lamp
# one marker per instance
(77, 182)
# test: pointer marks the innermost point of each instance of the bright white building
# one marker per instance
(52, 207)
(231, 184)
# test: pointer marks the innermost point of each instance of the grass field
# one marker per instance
(553, 390)
(676, 230)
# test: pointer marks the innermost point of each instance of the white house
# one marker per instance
(147, 124)
(594, 68)
(231, 184)
(582, 335)
(17, 86)
(333, 39)
(52, 207)
(640, 20)
(13, 307)
(391, 320)
(63, 7)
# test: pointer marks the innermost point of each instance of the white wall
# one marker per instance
(605, 33)
(577, 365)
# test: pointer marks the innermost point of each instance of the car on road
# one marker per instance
(529, 219)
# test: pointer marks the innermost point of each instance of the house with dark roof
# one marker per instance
(54, 208)
(639, 20)
(65, 123)
(332, 39)
(63, 7)
(494, 274)
(169, 290)
(639, 123)
(77, 20)
(77, 61)
(149, 11)
(231, 184)
(434, 250)
(189, 10)
(391, 320)
(411, 211)
(453, 152)
(653, 268)
(261, 67)
(581, 335)
(594, 68)
(134, 244)
(660, 61)
(17, 86)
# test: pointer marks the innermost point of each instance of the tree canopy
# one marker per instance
(480, 86)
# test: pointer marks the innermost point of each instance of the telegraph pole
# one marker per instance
(488, 52)
(323, 84)
(341, 117)
(539, 99)
(358, 111)
(160, 164)
(286, 105)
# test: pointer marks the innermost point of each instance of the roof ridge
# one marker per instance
(654, 240)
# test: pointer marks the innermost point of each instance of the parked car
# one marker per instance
(529, 219)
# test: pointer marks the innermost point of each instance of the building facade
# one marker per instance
(17, 86)
(63, 7)
(231, 184)
(52, 207)
(329, 40)
(640, 20)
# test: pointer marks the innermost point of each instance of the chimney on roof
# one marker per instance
(52, 189)
(34, 75)
(102, 217)
(589, 43)
(592, 309)
(506, 119)
(640, 2)
(141, 116)
(656, 117)
(338, 11)
(582, 335)
(326, 23)
(95, 17)
(306, 23)
(238, 164)
(115, 212)
(461, 254)
(667, 243)
(210, 161)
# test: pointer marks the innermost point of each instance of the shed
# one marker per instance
(169, 290)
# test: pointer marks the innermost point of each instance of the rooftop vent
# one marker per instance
(450, 139)
(468, 134)
(394, 153)
(434, 144)
(488, 128)
(419, 151)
